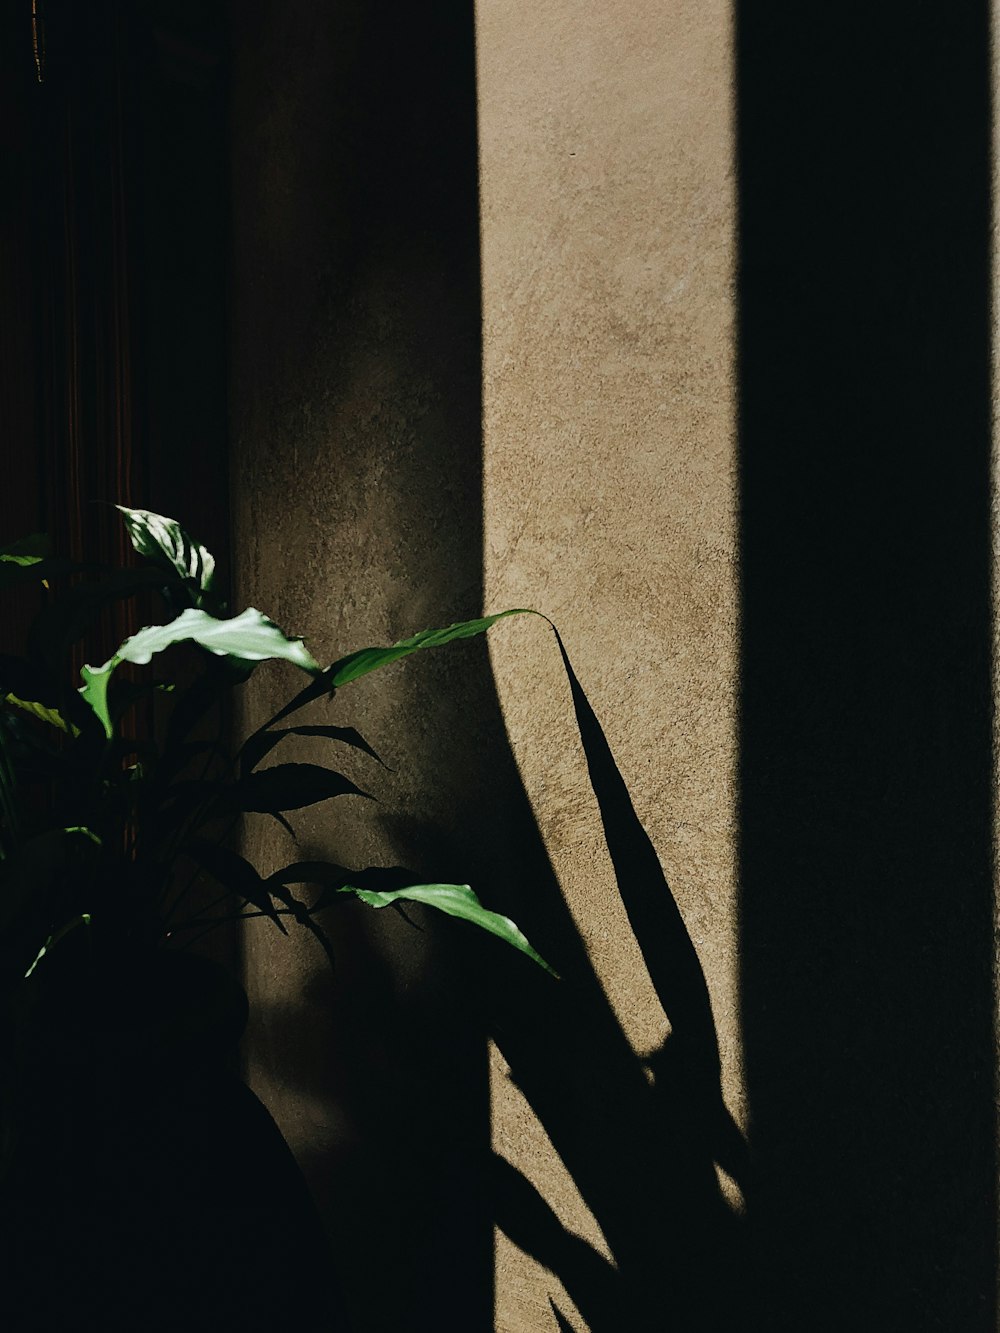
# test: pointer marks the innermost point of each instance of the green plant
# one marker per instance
(121, 831)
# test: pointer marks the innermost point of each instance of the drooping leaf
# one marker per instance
(164, 541)
(249, 636)
(457, 900)
(50, 715)
(290, 787)
(95, 692)
(262, 742)
(355, 665)
(27, 550)
(83, 919)
(28, 687)
(358, 664)
(235, 873)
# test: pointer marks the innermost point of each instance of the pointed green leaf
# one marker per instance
(358, 664)
(50, 715)
(27, 550)
(250, 636)
(290, 787)
(457, 900)
(21, 559)
(85, 833)
(163, 540)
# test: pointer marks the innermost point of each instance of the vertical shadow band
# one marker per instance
(866, 786)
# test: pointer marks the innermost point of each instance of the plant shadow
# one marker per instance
(644, 1138)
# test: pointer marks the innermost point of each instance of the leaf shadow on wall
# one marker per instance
(641, 1137)
(358, 296)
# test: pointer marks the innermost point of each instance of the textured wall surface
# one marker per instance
(608, 221)
(485, 298)
(404, 456)
(357, 513)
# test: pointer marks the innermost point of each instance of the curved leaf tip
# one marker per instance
(456, 900)
(248, 637)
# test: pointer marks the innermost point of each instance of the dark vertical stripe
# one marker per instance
(866, 788)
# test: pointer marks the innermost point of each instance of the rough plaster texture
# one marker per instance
(607, 190)
(475, 373)
(386, 477)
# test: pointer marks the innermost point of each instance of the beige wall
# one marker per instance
(493, 363)
(368, 503)
(608, 232)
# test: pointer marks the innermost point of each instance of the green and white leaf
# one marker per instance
(456, 900)
(250, 637)
(163, 540)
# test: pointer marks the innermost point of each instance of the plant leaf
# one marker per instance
(262, 742)
(250, 637)
(457, 900)
(27, 550)
(82, 920)
(290, 787)
(164, 541)
(358, 664)
(95, 693)
(50, 715)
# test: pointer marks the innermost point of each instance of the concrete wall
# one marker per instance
(608, 226)
(369, 501)
(484, 312)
